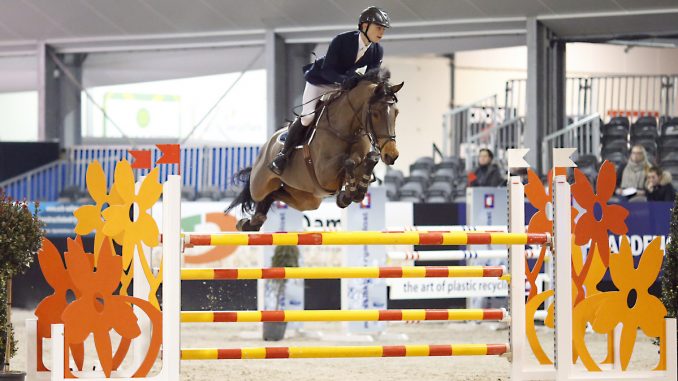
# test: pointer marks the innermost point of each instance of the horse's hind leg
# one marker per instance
(257, 221)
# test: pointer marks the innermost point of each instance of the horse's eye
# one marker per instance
(375, 114)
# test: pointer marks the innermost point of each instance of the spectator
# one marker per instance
(633, 175)
(658, 186)
(487, 174)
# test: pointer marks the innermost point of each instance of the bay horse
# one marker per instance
(353, 129)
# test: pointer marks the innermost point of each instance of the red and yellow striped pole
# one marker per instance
(340, 315)
(345, 351)
(345, 272)
(365, 238)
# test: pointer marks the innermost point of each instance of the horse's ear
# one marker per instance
(396, 88)
(379, 89)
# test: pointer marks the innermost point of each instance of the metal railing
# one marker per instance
(461, 123)
(202, 168)
(584, 135)
(615, 95)
(42, 183)
(498, 138)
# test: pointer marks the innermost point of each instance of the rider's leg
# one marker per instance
(297, 129)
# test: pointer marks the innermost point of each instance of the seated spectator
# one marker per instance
(487, 174)
(658, 186)
(633, 175)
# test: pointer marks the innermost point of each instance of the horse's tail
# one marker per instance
(245, 197)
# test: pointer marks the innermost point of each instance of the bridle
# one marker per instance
(367, 126)
(390, 127)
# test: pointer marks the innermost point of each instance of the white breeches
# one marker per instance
(310, 99)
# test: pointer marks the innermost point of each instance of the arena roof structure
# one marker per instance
(98, 26)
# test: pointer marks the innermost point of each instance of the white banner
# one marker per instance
(442, 288)
(359, 294)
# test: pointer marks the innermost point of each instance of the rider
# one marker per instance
(347, 52)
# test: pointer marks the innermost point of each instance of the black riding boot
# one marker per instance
(295, 133)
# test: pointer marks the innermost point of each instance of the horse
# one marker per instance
(353, 129)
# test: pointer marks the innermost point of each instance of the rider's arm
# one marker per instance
(329, 69)
(375, 63)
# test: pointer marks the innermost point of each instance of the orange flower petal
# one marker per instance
(79, 267)
(653, 313)
(108, 273)
(120, 316)
(627, 342)
(52, 266)
(117, 219)
(582, 190)
(539, 223)
(583, 229)
(614, 218)
(49, 310)
(534, 189)
(150, 191)
(89, 218)
(96, 181)
(149, 229)
(615, 311)
(78, 328)
(102, 341)
(621, 266)
(650, 264)
(607, 181)
(124, 181)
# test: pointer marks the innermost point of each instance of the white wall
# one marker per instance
(19, 116)
(422, 102)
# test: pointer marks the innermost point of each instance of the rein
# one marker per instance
(367, 126)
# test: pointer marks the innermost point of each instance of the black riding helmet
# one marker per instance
(373, 15)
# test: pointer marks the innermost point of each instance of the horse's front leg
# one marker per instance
(344, 198)
(364, 175)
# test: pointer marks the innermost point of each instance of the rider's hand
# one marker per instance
(351, 81)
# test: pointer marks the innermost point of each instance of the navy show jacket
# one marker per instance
(339, 61)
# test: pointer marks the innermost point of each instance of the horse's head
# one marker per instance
(381, 114)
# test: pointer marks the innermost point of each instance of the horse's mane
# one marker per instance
(379, 76)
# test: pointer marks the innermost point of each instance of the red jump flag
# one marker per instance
(171, 154)
(142, 159)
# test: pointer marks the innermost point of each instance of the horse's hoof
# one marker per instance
(241, 223)
(343, 199)
(359, 197)
(245, 225)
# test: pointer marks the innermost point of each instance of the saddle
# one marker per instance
(325, 100)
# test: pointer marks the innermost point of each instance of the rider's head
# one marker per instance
(373, 22)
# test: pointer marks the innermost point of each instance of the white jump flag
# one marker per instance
(561, 157)
(516, 158)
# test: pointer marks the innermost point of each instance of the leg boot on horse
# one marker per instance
(257, 221)
(295, 132)
(365, 175)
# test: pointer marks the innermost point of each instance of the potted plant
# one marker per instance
(670, 268)
(284, 256)
(21, 234)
